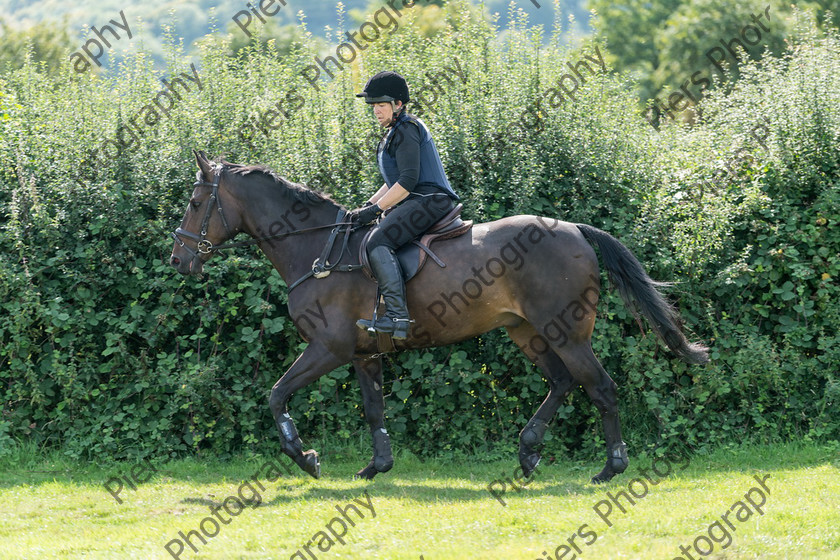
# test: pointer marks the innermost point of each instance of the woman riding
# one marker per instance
(416, 191)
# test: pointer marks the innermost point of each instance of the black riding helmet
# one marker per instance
(385, 87)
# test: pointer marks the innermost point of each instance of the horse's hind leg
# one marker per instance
(369, 373)
(589, 372)
(560, 382)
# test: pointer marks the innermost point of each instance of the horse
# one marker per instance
(536, 277)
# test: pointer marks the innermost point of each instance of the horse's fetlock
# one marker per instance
(533, 433)
(383, 464)
(618, 459)
(383, 458)
(287, 428)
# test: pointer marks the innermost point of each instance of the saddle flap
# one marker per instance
(411, 259)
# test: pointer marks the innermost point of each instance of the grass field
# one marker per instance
(432, 510)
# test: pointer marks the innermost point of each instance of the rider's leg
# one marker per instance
(403, 224)
(388, 273)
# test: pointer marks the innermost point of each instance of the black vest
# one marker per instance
(431, 168)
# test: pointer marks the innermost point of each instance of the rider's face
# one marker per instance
(384, 112)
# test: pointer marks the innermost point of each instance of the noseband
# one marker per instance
(202, 244)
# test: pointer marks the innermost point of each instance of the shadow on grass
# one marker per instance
(559, 480)
(417, 492)
(408, 474)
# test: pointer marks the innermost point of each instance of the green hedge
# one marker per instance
(106, 352)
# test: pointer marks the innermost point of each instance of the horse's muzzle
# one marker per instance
(191, 267)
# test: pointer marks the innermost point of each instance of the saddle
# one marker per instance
(413, 256)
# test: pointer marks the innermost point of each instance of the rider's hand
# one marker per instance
(365, 214)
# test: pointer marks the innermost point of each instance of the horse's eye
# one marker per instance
(195, 203)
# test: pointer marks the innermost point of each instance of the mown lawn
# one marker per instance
(432, 510)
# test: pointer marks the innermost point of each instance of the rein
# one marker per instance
(321, 268)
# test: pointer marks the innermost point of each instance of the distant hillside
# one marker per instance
(190, 20)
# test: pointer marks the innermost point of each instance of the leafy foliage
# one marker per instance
(106, 352)
(43, 42)
(672, 46)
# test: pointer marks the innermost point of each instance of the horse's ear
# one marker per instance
(204, 164)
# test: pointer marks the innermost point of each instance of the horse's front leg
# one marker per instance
(369, 373)
(315, 361)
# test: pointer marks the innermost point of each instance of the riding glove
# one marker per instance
(366, 214)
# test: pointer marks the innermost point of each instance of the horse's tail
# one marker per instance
(639, 291)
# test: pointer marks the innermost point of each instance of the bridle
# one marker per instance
(202, 244)
(321, 268)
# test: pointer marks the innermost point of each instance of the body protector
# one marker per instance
(431, 168)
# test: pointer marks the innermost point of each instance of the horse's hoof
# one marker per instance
(603, 477)
(529, 463)
(366, 473)
(312, 464)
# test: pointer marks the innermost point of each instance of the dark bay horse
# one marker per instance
(536, 277)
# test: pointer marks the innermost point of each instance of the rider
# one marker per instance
(416, 189)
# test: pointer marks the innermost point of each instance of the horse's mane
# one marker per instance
(294, 192)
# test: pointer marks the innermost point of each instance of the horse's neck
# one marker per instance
(275, 217)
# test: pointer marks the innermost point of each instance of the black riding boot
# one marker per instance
(388, 273)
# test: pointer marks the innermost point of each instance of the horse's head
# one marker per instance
(205, 224)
